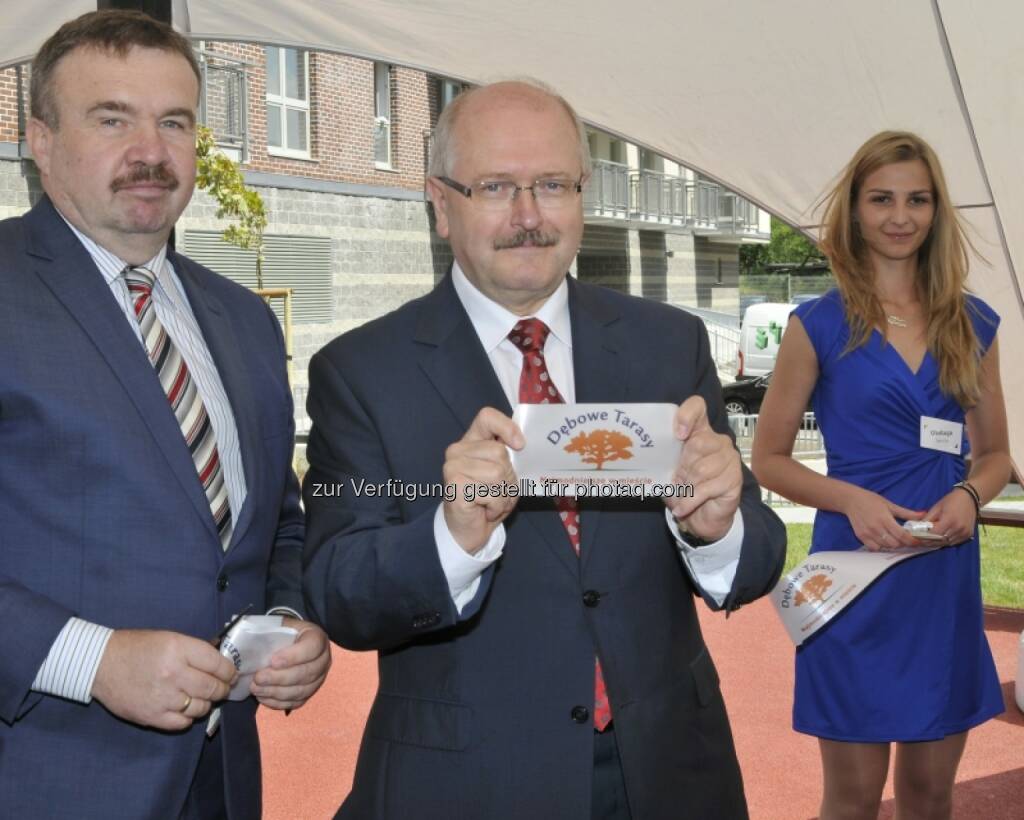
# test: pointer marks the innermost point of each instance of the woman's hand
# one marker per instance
(953, 516)
(873, 519)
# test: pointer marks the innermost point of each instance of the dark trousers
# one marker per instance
(205, 799)
(609, 792)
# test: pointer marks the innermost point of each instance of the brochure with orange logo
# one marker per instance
(597, 450)
(818, 589)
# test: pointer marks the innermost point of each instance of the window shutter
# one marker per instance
(302, 263)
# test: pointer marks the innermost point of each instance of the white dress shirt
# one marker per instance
(712, 567)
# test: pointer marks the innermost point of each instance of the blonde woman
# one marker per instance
(899, 342)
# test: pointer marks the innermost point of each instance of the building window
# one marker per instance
(449, 90)
(382, 115)
(287, 102)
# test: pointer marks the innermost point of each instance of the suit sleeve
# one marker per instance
(372, 579)
(32, 623)
(763, 552)
(284, 574)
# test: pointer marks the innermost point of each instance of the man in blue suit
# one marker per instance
(146, 492)
(536, 661)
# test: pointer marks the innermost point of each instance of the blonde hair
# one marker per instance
(942, 265)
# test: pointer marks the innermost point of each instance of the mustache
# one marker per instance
(158, 174)
(537, 238)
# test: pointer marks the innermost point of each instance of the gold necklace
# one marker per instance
(897, 321)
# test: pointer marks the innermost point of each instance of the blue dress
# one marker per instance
(908, 661)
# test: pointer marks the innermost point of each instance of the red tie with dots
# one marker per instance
(536, 387)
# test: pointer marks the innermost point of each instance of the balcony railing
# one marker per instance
(651, 196)
(737, 213)
(224, 102)
(607, 192)
(657, 197)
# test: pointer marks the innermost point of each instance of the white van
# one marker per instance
(760, 333)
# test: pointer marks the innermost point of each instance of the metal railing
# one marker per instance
(224, 102)
(737, 213)
(302, 422)
(808, 443)
(607, 192)
(652, 196)
(658, 197)
(725, 342)
(702, 198)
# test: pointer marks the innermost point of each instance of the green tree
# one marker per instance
(786, 245)
(221, 178)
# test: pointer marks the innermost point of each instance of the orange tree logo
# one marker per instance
(600, 446)
(813, 590)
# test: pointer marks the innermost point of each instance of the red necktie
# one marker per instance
(536, 387)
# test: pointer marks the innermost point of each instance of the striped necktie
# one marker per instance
(180, 388)
(536, 387)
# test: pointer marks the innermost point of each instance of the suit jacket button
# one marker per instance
(433, 619)
(222, 582)
(580, 714)
(591, 597)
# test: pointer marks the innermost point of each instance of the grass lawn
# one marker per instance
(1002, 562)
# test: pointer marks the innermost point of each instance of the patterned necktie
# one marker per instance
(185, 400)
(536, 387)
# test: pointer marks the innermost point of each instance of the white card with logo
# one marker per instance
(815, 591)
(939, 434)
(597, 450)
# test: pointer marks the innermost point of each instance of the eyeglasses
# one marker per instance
(498, 194)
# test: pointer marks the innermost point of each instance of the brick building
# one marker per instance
(338, 146)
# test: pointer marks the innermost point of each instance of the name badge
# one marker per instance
(939, 434)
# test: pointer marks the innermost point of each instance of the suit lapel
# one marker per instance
(66, 268)
(601, 375)
(453, 359)
(219, 334)
(457, 366)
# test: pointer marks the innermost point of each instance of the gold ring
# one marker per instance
(188, 702)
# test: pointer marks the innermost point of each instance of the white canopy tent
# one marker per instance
(770, 99)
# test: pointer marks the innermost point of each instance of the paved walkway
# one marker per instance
(309, 757)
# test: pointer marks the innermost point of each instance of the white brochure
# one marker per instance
(597, 450)
(249, 646)
(825, 583)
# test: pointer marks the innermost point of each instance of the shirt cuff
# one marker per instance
(461, 569)
(70, 668)
(712, 567)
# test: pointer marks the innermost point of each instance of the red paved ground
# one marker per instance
(309, 757)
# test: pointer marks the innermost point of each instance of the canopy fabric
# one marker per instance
(770, 99)
(22, 31)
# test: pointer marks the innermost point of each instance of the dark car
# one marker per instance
(744, 397)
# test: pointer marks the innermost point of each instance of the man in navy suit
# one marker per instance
(146, 492)
(532, 664)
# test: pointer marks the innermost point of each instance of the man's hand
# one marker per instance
(480, 458)
(160, 679)
(295, 672)
(712, 465)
